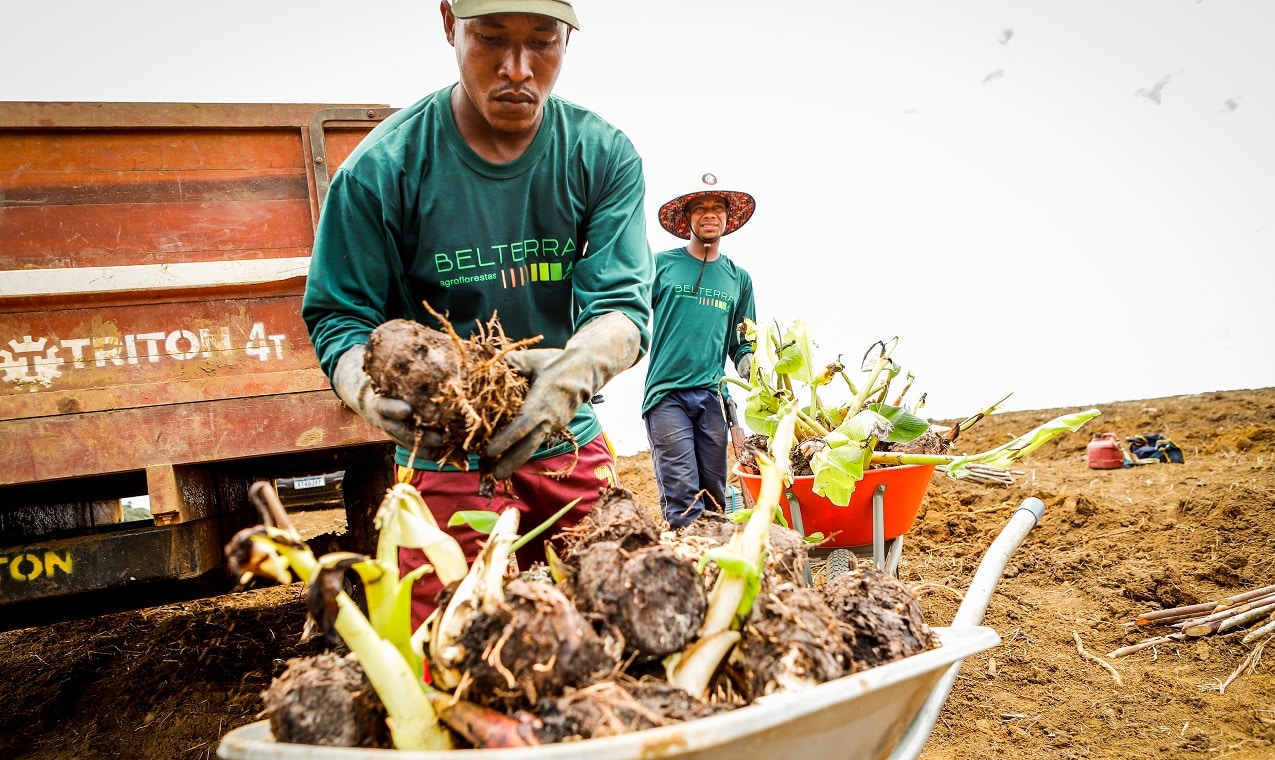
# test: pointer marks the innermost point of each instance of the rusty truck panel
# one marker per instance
(152, 262)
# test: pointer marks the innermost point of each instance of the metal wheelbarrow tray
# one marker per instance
(887, 711)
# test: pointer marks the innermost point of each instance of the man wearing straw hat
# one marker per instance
(492, 196)
(699, 300)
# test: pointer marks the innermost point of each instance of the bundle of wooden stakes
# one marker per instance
(1220, 616)
(987, 474)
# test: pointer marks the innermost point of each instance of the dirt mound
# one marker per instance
(170, 681)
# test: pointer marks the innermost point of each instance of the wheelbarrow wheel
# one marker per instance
(839, 562)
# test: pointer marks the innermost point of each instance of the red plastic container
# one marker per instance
(851, 525)
(1103, 452)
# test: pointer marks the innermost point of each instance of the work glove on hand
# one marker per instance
(562, 380)
(744, 365)
(354, 386)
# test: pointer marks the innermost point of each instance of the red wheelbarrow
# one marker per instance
(882, 509)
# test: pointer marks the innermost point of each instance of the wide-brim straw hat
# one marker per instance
(739, 207)
(559, 9)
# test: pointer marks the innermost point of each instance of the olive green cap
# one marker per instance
(559, 9)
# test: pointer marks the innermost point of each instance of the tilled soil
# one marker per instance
(170, 681)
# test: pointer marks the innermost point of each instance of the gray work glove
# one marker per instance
(562, 380)
(353, 385)
(744, 365)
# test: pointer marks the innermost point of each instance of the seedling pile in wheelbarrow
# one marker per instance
(635, 626)
(837, 442)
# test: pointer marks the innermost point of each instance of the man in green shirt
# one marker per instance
(492, 196)
(699, 301)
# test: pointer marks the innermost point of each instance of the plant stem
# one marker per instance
(413, 724)
(811, 425)
(969, 422)
(860, 399)
(896, 458)
(849, 383)
(730, 601)
(542, 527)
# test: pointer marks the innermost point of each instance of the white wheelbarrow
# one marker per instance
(885, 712)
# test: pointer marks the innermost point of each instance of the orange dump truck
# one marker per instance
(152, 262)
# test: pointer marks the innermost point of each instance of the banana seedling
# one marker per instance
(1004, 455)
(740, 566)
(481, 591)
(404, 521)
(275, 550)
(840, 441)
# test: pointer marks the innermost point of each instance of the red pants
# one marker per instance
(536, 495)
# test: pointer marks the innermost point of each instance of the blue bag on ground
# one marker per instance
(1155, 446)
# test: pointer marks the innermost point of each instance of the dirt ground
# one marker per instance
(168, 682)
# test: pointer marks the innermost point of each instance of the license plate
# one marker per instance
(314, 482)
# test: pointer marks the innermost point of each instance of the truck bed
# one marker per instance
(152, 262)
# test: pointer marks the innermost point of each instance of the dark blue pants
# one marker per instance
(687, 432)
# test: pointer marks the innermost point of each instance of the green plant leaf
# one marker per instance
(793, 357)
(479, 519)
(907, 426)
(727, 560)
(1006, 455)
(859, 429)
(838, 470)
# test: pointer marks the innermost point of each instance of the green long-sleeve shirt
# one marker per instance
(693, 331)
(547, 241)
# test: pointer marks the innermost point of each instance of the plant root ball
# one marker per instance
(538, 646)
(653, 595)
(928, 442)
(459, 388)
(792, 640)
(409, 361)
(615, 517)
(620, 706)
(884, 614)
(325, 700)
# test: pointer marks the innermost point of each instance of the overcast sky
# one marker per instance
(1072, 201)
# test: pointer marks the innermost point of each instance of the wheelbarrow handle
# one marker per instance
(970, 613)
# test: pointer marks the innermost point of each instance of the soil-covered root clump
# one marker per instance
(617, 517)
(929, 442)
(460, 388)
(792, 641)
(325, 700)
(882, 613)
(637, 590)
(653, 595)
(538, 645)
(619, 706)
